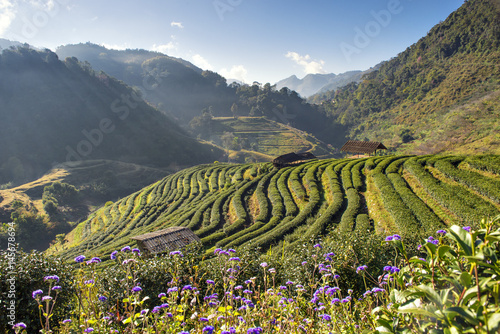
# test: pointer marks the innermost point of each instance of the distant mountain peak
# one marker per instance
(313, 83)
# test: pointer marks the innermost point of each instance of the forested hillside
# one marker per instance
(183, 91)
(439, 94)
(258, 205)
(56, 111)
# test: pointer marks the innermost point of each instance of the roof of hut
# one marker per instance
(169, 239)
(355, 146)
(292, 157)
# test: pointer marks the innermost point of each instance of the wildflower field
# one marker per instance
(391, 244)
(450, 285)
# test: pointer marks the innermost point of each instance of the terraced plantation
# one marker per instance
(257, 205)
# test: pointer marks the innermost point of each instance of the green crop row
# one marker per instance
(357, 175)
(469, 207)
(296, 183)
(260, 193)
(285, 226)
(363, 225)
(216, 218)
(321, 223)
(291, 208)
(486, 186)
(346, 175)
(239, 206)
(405, 221)
(425, 216)
(488, 163)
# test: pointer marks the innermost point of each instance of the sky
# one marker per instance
(247, 40)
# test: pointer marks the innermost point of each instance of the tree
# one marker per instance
(234, 110)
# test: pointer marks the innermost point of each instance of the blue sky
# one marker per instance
(250, 40)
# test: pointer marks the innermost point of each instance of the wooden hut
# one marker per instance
(292, 158)
(362, 147)
(169, 239)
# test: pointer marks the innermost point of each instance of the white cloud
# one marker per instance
(7, 15)
(201, 62)
(176, 24)
(237, 72)
(309, 66)
(165, 48)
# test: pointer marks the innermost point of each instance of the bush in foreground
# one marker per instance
(452, 286)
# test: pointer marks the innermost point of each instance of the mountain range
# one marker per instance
(316, 83)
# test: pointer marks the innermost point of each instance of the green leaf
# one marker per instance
(415, 307)
(386, 325)
(442, 250)
(431, 294)
(466, 279)
(494, 323)
(466, 314)
(462, 238)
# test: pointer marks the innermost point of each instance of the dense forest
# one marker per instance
(63, 111)
(456, 63)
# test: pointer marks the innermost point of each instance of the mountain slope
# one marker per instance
(229, 205)
(183, 91)
(314, 83)
(412, 94)
(63, 111)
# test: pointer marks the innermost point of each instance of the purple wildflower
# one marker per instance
(208, 329)
(103, 298)
(361, 268)
(126, 249)
(36, 293)
(80, 258)
(136, 289)
(443, 232)
(113, 255)
(467, 228)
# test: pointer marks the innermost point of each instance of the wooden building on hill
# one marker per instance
(169, 239)
(290, 159)
(362, 147)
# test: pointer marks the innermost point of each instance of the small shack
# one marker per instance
(293, 158)
(364, 147)
(169, 239)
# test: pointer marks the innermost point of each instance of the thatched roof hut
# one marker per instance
(169, 239)
(292, 159)
(365, 147)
